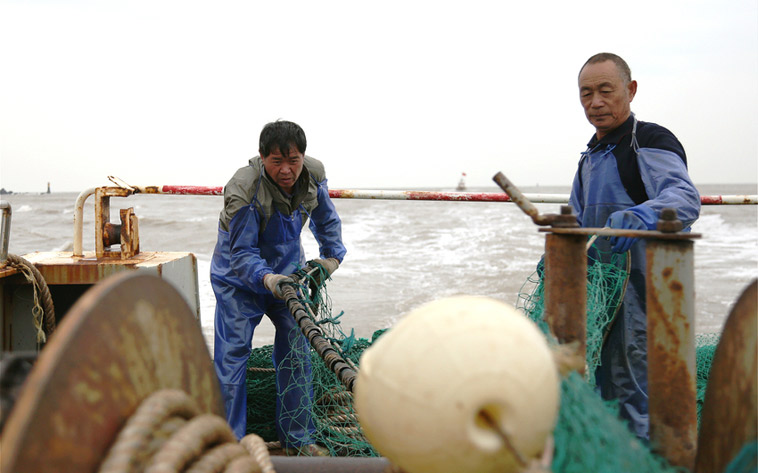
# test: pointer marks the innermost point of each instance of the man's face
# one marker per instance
(605, 97)
(284, 170)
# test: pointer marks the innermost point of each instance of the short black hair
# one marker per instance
(281, 135)
(621, 65)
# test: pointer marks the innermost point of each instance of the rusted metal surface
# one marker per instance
(729, 419)
(123, 340)
(566, 288)
(62, 268)
(564, 219)
(428, 195)
(5, 229)
(611, 232)
(284, 464)
(729, 199)
(668, 221)
(108, 234)
(518, 198)
(129, 235)
(192, 190)
(671, 350)
(418, 195)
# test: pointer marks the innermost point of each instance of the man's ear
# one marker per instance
(632, 89)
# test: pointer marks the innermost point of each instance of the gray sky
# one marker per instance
(391, 94)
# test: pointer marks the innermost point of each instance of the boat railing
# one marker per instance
(370, 194)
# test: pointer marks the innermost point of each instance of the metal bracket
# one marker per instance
(108, 234)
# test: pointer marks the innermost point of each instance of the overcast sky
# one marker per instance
(391, 94)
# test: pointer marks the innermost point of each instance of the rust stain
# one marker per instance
(676, 286)
(667, 272)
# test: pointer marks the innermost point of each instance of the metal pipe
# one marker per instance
(5, 230)
(524, 203)
(566, 288)
(79, 220)
(671, 349)
(433, 195)
(283, 464)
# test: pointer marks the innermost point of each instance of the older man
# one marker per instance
(630, 171)
(266, 205)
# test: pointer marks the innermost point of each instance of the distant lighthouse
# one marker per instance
(48, 187)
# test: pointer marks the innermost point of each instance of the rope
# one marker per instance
(42, 311)
(168, 434)
(314, 335)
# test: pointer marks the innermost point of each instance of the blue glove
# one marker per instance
(624, 220)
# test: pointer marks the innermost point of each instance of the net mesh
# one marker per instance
(589, 435)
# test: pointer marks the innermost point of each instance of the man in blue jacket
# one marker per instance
(266, 205)
(629, 173)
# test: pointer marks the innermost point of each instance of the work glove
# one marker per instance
(330, 265)
(624, 220)
(273, 282)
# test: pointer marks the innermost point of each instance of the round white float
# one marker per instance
(425, 388)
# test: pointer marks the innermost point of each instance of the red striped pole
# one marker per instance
(436, 196)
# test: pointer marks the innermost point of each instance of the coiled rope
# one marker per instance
(43, 312)
(168, 434)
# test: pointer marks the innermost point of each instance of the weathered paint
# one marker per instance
(419, 195)
(729, 419)
(61, 268)
(192, 190)
(5, 229)
(124, 340)
(729, 199)
(671, 350)
(566, 288)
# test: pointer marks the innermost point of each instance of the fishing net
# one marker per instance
(589, 435)
(607, 275)
(331, 410)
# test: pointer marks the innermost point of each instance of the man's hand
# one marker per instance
(624, 220)
(273, 283)
(330, 265)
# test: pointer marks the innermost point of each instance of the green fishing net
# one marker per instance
(589, 435)
(607, 275)
(331, 410)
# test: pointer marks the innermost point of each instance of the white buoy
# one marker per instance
(461, 384)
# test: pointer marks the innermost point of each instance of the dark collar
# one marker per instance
(614, 137)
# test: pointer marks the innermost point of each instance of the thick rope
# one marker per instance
(42, 311)
(168, 434)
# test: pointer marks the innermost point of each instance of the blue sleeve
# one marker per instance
(245, 256)
(576, 199)
(326, 226)
(668, 184)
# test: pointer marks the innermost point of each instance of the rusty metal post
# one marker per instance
(671, 345)
(5, 230)
(107, 233)
(566, 285)
(102, 216)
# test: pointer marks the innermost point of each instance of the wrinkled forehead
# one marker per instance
(600, 72)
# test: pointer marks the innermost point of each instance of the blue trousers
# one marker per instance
(235, 321)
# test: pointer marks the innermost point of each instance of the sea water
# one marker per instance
(401, 254)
